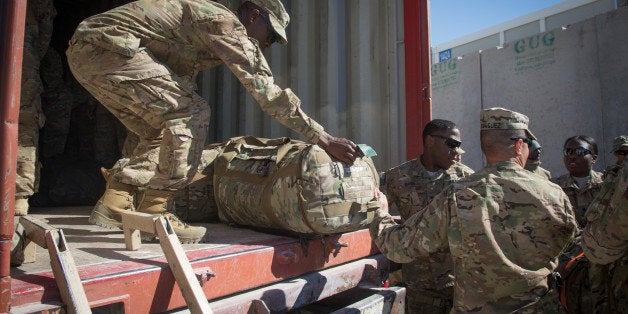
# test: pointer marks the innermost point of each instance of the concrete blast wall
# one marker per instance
(569, 81)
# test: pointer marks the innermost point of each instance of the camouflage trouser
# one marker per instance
(168, 117)
(426, 285)
(31, 118)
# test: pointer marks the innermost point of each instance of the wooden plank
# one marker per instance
(65, 273)
(30, 252)
(133, 223)
(140, 221)
(181, 268)
(36, 229)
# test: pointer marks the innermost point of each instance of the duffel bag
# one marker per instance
(291, 185)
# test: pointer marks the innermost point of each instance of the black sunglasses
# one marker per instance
(621, 152)
(579, 151)
(450, 142)
(272, 35)
(524, 139)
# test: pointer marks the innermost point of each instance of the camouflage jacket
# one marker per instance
(505, 228)
(580, 198)
(611, 172)
(189, 36)
(535, 167)
(605, 238)
(410, 188)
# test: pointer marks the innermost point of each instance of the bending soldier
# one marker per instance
(140, 61)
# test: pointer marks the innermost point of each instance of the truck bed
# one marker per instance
(233, 260)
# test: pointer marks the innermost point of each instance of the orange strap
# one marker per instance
(563, 290)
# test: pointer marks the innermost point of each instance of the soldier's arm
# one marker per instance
(605, 237)
(247, 62)
(423, 232)
(389, 188)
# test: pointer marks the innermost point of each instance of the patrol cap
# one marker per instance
(279, 18)
(619, 142)
(503, 119)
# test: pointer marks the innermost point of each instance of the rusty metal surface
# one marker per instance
(239, 258)
(417, 74)
(295, 293)
(12, 13)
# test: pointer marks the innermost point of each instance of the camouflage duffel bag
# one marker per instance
(291, 185)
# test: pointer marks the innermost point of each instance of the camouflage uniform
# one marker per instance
(37, 34)
(503, 226)
(535, 167)
(140, 61)
(428, 279)
(611, 171)
(580, 198)
(605, 238)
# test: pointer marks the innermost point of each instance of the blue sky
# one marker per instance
(451, 19)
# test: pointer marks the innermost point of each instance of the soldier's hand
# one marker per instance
(340, 148)
(383, 201)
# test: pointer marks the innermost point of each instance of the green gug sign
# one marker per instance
(445, 74)
(534, 52)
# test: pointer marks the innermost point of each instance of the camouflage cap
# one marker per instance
(504, 119)
(619, 142)
(279, 18)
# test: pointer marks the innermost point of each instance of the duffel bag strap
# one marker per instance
(260, 141)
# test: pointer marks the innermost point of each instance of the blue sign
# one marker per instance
(444, 55)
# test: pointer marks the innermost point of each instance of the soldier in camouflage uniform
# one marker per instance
(37, 34)
(410, 187)
(140, 61)
(533, 164)
(582, 183)
(605, 238)
(504, 226)
(620, 150)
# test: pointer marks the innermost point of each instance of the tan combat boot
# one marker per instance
(155, 202)
(117, 198)
(21, 206)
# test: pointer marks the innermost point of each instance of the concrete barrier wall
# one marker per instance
(457, 93)
(568, 81)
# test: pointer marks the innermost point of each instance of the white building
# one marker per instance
(559, 15)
